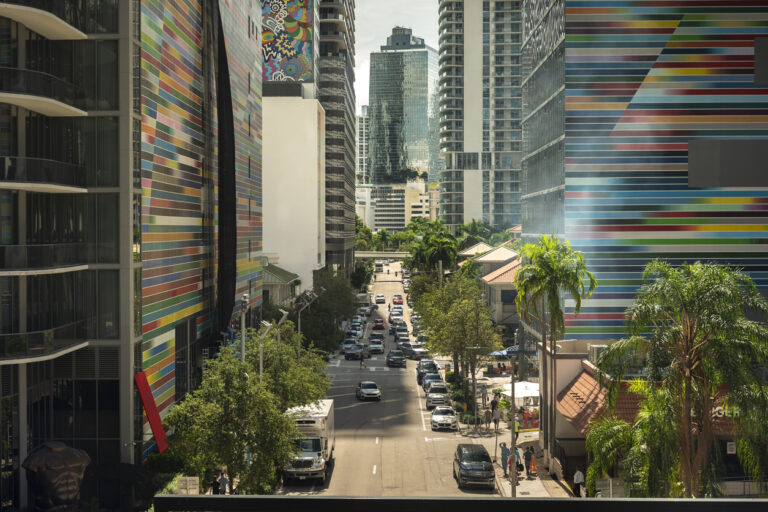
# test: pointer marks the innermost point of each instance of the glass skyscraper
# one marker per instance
(479, 104)
(403, 79)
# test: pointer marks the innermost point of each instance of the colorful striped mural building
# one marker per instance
(613, 93)
(200, 180)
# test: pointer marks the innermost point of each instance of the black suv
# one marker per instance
(472, 466)
(396, 358)
(425, 366)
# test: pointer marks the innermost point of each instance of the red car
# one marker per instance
(397, 300)
(378, 325)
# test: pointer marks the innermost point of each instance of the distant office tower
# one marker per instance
(337, 95)
(362, 146)
(636, 129)
(130, 220)
(403, 79)
(392, 207)
(480, 111)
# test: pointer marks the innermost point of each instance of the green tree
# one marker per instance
(321, 321)
(472, 233)
(441, 248)
(470, 269)
(381, 239)
(361, 276)
(690, 324)
(232, 420)
(547, 269)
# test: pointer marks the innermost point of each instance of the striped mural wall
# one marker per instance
(642, 79)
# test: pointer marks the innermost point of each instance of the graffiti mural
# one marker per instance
(287, 40)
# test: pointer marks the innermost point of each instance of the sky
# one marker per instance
(374, 20)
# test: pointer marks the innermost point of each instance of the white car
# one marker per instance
(437, 394)
(444, 417)
(380, 299)
(377, 347)
(368, 389)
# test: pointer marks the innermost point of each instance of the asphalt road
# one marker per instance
(385, 448)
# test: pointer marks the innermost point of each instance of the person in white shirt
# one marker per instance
(578, 482)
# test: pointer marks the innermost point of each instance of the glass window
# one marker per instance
(109, 302)
(63, 409)
(109, 412)
(85, 409)
(108, 228)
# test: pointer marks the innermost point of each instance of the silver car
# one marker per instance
(437, 394)
(368, 389)
(444, 417)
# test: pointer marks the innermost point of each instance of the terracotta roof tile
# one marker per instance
(505, 274)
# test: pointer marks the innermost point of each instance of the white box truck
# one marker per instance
(315, 423)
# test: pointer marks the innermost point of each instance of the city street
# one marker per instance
(386, 448)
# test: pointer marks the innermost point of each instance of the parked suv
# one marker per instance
(437, 394)
(472, 466)
(425, 366)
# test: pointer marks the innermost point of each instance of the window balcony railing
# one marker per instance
(41, 171)
(23, 85)
(42, 343)
(41, 256)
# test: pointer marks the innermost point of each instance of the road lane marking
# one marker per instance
(377, 439)
(336, 362)
(374, 469)
(421, 413)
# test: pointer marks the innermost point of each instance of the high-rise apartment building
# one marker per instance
(403, 79)
(130, 218)
(337, 95)
(637, 130)
(479, 105)
(362, 146)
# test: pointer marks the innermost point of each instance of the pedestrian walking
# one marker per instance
(527, 455)
(518, 464)
(494, 403)
(578, 482)
(487, 415)
(215, 486)
(223, 482)
(484, 393)
(362, 362)
(496, 418)
(505, 453)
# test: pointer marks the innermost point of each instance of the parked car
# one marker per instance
(444, 417)
(368, 389)
(364, 311)
(430, 378)
(377, 347)
(437, 394)
(472, 466)
(418, 351)
(396, 358)
(353, 332)
(378, 325)
(380, 299)
(354, 352)
(424, 367)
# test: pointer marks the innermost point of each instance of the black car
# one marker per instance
(425, 366)
(472, 466)
(396, 358)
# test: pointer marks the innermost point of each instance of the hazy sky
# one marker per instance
(374, 20)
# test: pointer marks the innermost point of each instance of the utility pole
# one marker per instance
(243, 311)
(261, 346)
(513, 441)
(440, 273)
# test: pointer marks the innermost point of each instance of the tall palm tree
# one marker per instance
(442, 248)
(549, 268)
(473, 232)
(690, 324)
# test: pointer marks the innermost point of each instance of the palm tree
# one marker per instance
(383, 236)
(473, 232)
(549, 267)
(442, 248)
(690, 324)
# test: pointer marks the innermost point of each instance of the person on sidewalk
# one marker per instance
(494, 403)
(578, 482)
(484, 393)
(487, 417)
(215, 485)
(496, 418)
(527, 455)
(223, 482)
(505, 453)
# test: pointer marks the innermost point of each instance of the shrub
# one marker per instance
(469, 418)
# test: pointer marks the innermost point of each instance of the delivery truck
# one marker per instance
(318, 439)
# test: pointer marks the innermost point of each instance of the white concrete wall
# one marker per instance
(294, 184)
(473, 195)
(473, 80)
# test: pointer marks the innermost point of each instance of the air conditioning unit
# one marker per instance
(594, 352)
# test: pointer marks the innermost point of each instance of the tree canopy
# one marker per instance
(691, 326)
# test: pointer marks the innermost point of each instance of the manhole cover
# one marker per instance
(523, 493)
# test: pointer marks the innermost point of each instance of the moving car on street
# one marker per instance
(444, 417)
(380, 299)
(378, 324)
(376, 336)
(377, 347)
(354, 352)
(397, 299)
(472, 466)
(395, 358)
(368, 389)
(348, 344)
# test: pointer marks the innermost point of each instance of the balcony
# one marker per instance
(40, 92)
(41, 345)
(20, 259)
(41, 175)
(52, 19)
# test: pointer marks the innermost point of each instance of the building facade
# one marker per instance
(361, 173)
(403, 79)
(337, 96)
(130, 215)
(623, 114)
(479, 105)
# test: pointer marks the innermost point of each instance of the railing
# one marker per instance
(40, 343)
(41, 170)
(20, 257)
(37, 83)
(67, 10)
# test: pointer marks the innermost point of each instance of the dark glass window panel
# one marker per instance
(63, 409)
(108, 151)
(106, 65)
(109, 409)
(108, 304)
(86, 412)
(108, 228)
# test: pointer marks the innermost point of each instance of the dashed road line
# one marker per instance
(374, 469)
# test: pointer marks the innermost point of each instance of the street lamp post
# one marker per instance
(261, 346)
(314, 296)
(243, 311)
(513, 442)
(282, 319)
